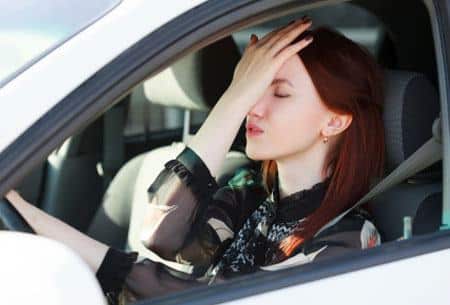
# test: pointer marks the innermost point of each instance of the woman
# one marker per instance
(312, 103)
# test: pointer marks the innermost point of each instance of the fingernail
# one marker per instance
(308, 38)
(306, 18)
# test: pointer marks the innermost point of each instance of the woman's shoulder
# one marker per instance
(356, 230)
(353, 232)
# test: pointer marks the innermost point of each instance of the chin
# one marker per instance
(256, 154)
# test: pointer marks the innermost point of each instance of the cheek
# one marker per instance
(296, 127)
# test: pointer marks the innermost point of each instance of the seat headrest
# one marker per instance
(197, 80)
(411, 105)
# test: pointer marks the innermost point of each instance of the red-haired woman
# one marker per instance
(312, 104)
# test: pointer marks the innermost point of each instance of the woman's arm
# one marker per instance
(46, 225)
(215, 136)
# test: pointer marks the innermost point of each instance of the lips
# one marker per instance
(253, 127)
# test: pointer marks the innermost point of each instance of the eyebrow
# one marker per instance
(281, 80)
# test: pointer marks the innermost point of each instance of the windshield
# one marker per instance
(30, 29)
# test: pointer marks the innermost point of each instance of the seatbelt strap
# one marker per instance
(426, 155)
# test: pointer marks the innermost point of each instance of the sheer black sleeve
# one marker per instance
(113, 270)
(188, 223)
(188, 217)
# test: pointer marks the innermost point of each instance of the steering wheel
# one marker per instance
(10, 218)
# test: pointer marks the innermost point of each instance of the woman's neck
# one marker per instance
(299, 172)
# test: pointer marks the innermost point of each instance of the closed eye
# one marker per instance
(281, 95)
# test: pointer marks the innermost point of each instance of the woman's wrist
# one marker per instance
(237, 101)
(215, 137)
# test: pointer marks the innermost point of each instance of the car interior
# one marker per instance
(97, 179)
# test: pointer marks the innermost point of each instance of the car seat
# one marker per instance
(411, 105)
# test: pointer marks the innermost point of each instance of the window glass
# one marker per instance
(351, 20)
(156, 117)
(29, 29)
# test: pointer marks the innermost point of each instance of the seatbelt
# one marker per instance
(113, 142)
(426, 155)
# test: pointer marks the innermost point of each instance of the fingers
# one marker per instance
(253, 40)
(274, 35)
(12, 195)
(277, 45)
(287, 37)
(269, 35)
(293, 49)
(293, 26)
(278, 39)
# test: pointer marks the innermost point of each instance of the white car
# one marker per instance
(96, 96)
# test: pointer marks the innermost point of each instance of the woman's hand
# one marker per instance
(90, 250)
(263, 58)
(13, 196)
(252, 76)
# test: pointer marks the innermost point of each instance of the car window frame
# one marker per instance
(190, 31)
(440, 18)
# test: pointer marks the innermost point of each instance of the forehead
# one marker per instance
(293, 69)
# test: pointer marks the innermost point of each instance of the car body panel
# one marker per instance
(38, 270)
(412, 281)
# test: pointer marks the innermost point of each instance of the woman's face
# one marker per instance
(290, 113)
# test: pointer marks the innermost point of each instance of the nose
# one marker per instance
(259, 109)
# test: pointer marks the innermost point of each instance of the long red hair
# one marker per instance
(349, 81)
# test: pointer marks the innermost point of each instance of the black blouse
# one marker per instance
(198, 234)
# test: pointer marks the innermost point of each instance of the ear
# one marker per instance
(336, 124)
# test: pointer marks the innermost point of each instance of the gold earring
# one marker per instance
(325, 140)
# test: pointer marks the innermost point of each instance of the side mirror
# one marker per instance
(38, 270)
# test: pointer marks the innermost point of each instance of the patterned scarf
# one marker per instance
(249, 248)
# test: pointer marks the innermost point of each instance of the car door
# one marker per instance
(381, 275)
